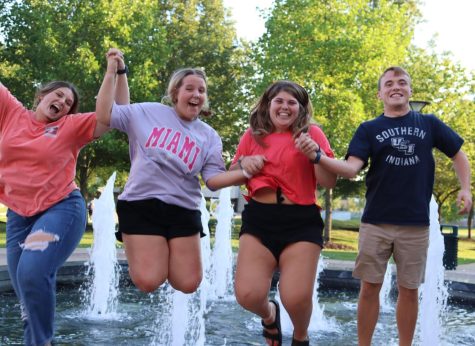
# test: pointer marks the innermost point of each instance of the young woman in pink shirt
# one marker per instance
(281, 224)
(46, 215)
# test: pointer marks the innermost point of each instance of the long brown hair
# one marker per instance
(260, 122)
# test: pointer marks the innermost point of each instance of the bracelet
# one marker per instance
(124, 70)
(318, 157)
(239, 162)
(246, 174)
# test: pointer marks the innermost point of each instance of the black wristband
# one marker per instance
(124, 70)
(318, 157)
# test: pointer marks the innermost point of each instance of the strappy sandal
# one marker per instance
(275, 338)
(300, 343)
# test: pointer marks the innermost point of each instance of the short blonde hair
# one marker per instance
(176, 81)
(397, 71)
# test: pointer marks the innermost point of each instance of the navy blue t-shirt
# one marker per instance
(400, 178)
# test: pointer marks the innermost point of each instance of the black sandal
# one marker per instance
(274, 325)
(300, 343)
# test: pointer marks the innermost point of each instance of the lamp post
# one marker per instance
(418, 105)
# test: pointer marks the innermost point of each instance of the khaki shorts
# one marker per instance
(407, 244)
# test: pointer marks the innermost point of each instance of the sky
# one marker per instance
(451, 20)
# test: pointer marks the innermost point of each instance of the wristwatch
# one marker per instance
(316, 160)
(124, 70)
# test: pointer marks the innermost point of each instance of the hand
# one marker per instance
(115, 60)
(464, 201)
(307, 145)
(252, 164)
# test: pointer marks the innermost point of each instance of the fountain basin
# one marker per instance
(226, 322)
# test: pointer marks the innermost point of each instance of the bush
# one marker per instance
(349, 225)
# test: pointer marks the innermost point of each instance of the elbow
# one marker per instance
(350, 174)
(329, 183)
(212, 184)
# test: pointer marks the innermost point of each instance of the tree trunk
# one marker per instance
(469, 223)
(328, 215)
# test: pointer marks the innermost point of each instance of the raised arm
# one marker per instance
(462, 170)
(114, 86)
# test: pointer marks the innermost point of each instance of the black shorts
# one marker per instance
(278, 225)
(154, 217)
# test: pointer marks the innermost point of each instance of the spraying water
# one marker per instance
(433, 292)
(318, 321)
(221, 274)
(183, 321)
(103, 264)
(385, 293)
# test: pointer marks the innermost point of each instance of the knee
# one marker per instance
(39, 241)
(297, 302)
(408, 294)
(146, 283)
(190, 285)
(369, 290)
(248, 297)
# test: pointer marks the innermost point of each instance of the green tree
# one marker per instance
(67, 39)
(336, 49)
(450, 88)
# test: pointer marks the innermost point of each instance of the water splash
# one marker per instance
(221, 273)
(385, 293)
(318, 321)
(433, 292)
(103, 267)
(182, 322)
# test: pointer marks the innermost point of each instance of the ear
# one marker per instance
(378, 95)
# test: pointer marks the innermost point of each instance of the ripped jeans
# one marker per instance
(37, 246)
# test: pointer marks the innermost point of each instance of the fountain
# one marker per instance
(221, 270)
(433, 292)
(318, 321)
(183, 322)
(385, 293)
(101, 292)
(183, 318)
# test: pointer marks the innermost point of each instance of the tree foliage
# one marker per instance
(450, 89)
(67, 39)
(336, 50)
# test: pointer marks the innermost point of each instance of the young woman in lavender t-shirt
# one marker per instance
(159, 216)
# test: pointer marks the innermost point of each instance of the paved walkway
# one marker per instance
(464, 273)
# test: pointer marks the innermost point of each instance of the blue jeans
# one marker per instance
(33, 263)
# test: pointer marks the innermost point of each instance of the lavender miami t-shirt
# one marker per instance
(167, 154)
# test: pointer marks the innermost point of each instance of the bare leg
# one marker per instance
(147, 256)
(406, 314)
(368, 312)
(298, 267)
(185, 270)
(254, 270)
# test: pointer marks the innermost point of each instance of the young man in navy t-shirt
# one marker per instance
(398, 145)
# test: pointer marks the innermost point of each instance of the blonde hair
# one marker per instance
(176, 81)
